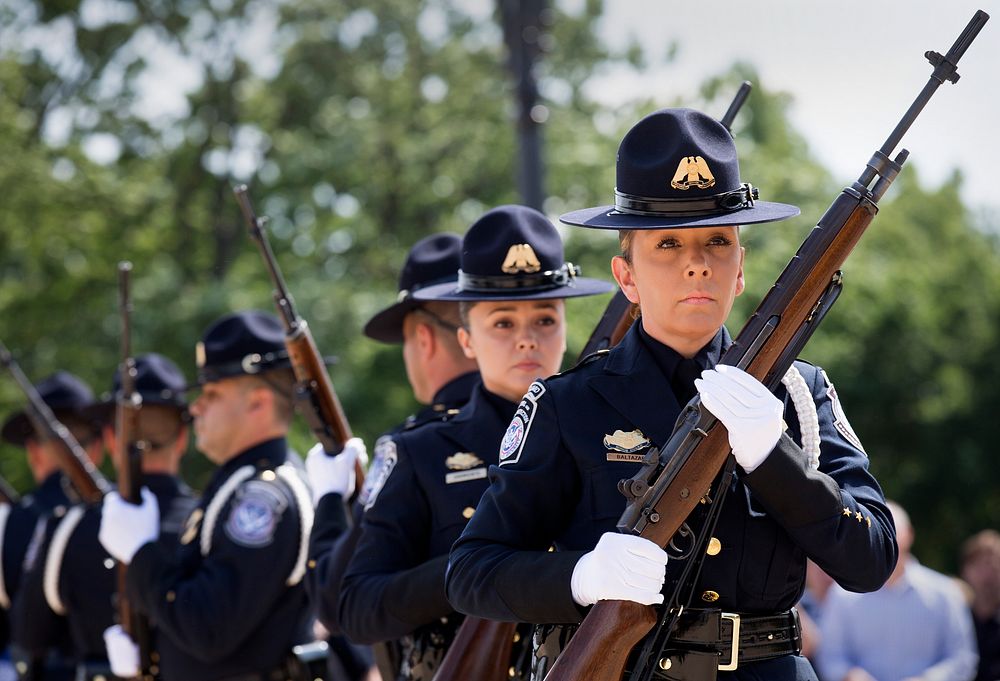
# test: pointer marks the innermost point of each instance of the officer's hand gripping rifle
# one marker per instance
(86, 481)
(314, 393)
(481, 649)
(618, 315)
(665, 492)
(128, 403)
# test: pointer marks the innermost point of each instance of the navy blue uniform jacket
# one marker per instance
(395, 581)
(88, 577)
(230, 612)
(334, 538)
(557, 486)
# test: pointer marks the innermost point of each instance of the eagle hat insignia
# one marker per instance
(620, 441)
(521, 258)
(462, 461)
(692, 171)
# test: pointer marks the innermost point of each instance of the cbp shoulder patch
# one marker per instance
(840, 421)
(517, 431)
(255, 514)
(382, 464)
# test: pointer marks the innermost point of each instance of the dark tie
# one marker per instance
(683, 380)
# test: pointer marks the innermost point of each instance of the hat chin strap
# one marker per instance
(717, 204)
(543, 281)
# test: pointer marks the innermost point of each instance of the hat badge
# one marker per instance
(521, 258)
(199, 354)
(692, 171)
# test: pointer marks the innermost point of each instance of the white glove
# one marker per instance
(748, 410)
(126, 527)
(622, 567)
(335, 474)
(123, 653)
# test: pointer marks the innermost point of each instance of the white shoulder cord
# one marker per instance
(805, 409)
(54, 559)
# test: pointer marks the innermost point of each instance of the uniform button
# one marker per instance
(154, 656)
(710, 596)
(109, 563)
(512, 672)
(452, 412)
(666, 663)
(171, 597)
(312, 564)
(467, 513)
(517, 637)
(714, 546)
(268, 476)
(99, 677)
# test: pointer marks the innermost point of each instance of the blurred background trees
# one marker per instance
(363, 126)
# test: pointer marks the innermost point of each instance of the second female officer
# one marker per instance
(510, 288)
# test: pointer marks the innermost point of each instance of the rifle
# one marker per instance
(314, 393)
(671, 483)
(618, 315)
(481, 649)
(88, 483)
(128, 405)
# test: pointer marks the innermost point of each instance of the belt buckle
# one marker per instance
(735, 650)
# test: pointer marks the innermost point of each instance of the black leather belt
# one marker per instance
(711, 640)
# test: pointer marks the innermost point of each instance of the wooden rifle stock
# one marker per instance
(317, 400)
(87, 482)
(128, 404)
(492, 642)
(664, 493)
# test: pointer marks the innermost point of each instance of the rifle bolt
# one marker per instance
(666, 663)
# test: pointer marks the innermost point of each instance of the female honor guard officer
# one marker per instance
(801, 488)
(511, 286)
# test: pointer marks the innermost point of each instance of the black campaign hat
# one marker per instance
(514, 253)
(65, 394)
(241, 344)
(157, 380)
(432, 260)
(678, 168)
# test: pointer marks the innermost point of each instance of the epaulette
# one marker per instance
(434, 415)
(592, 357)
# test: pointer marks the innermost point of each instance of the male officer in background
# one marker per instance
(73, 576)
(441, 377)
(229, 604)
(22, 526)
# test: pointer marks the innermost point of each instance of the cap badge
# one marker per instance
(692, 171)
(626, 443)
(521, 258)
(460, 461)
(199, 354)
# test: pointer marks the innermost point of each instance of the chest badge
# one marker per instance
(191, 526)
(462, 461)
(624, 446)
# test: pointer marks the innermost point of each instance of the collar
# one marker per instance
(667, 358)
(52, 491)
(266, 455)
(455, 392)
(483, 419)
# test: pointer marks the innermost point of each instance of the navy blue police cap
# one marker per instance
(157, 380)
(678, 168)
(241, 344)
(66, 395)
(514, 253)
(432, 260)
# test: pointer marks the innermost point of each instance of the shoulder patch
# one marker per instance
(517, 431)
(382, 464)
(255, 513)
(840, 421)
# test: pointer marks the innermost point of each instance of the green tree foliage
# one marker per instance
(363, 126)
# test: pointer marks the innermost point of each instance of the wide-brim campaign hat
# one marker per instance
(65, 394)
(678, 168)
(432, 260)
(244, 343)
(514, 253)
(158, 381)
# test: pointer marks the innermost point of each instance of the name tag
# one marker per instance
(465, 476)
(635, 457)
